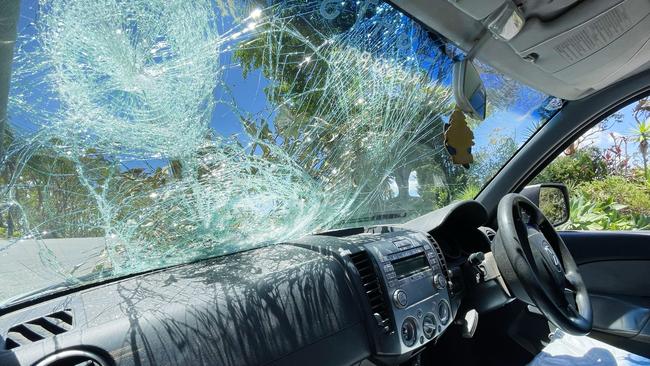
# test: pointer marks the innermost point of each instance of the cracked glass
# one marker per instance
(146, 133)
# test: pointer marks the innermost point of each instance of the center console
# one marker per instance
(404, 276)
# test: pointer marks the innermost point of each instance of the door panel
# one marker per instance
(616, 269)
(597, 246)
(618, 277)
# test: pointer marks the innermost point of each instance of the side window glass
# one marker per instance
(606, 171)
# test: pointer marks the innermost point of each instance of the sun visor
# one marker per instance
(594, 43)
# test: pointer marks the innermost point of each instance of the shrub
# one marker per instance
(583, 166)
(606, 215)
(601, 199)
(633, 194)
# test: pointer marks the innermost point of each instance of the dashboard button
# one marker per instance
(400, 299)
(439, 281)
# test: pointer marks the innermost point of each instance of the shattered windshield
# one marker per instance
(146, 133)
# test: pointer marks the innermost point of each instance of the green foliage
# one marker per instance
(551, 202)
(632, 196)
(586, 214)
(601, 199)
(641, 135)
(583, 166)
(5, 234)
(438, 195)
(470, 192)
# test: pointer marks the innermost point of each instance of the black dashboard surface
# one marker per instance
(285, 304)
(254, 307)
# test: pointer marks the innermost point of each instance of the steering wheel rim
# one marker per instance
(526, 250)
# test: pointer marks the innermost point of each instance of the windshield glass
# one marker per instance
(146, 133)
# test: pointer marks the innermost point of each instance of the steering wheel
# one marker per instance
(537, 266)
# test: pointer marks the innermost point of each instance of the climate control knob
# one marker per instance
(409, 332)
(429, 325)
(400, 299)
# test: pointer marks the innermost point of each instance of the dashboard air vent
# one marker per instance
(441, 257)
(488, 232)
(40, 328)
(372, 288)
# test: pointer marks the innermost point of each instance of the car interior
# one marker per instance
(491, 280)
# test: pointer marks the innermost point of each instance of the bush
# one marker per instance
(600, 199)
(632, 194)
(4, 235)
(469, 193)
(551, 203)
(583, 166)
(606, 215)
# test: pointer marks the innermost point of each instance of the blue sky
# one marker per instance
(249, 96)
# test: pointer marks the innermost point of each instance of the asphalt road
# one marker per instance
(22, 269)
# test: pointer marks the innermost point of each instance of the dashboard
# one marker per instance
(380, 293)
(404, 285)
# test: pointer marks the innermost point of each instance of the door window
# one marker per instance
(606, 170)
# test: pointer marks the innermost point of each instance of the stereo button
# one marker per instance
(400, 299)
(439, 281)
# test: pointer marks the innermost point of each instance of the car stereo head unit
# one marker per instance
(414, 276)
(410, 265)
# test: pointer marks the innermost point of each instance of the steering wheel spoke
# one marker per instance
(570, 296)
(572, 281)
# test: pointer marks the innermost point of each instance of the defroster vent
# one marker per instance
(39, 328)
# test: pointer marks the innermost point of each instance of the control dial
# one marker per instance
(400, 299)
(409, 332)
(429, 325)
(443, 312)
(439, 281)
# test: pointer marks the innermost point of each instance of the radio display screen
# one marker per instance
(405, 267)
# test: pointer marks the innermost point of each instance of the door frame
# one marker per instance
(571, 122)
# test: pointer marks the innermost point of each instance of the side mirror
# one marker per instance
(552, 199)
(469, 91)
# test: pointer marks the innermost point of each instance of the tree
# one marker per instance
(357, 108)
(641, 135)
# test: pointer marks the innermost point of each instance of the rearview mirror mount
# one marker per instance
(469, 91)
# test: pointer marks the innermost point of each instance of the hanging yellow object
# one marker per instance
(459, 139)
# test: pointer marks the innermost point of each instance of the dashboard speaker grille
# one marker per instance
(372, 287)
(39, 328)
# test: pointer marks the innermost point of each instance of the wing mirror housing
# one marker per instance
(469, 90)
(552, 199)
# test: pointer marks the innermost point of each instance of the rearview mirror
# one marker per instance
(552, 199)
(469, 91)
